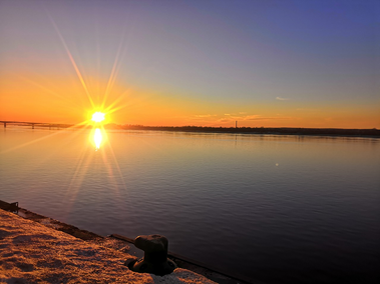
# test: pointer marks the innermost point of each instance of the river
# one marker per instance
(280, 209)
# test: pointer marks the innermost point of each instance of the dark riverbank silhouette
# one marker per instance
(258, 130)
(206, 129)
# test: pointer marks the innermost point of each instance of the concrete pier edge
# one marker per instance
(212, 273)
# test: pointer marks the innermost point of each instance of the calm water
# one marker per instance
(275, 208)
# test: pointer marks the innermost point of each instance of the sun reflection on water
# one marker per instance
(98, 137)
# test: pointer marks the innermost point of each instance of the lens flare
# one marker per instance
(98, 116)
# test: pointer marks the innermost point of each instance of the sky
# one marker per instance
(262, 63)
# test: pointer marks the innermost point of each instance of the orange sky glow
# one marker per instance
(62, 100)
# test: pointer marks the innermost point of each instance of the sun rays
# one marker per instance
(101, 101)
(102, 104)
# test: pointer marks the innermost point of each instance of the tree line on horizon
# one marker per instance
(254, 130)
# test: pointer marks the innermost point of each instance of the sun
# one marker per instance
(98, 116)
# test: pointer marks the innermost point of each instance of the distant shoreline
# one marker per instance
(369, 133)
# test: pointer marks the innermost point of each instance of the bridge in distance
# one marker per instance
(32, 124)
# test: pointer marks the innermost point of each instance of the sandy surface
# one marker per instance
(33, 253)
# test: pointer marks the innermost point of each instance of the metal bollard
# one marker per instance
(155, 259)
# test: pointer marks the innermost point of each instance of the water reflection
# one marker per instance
(98, 137)
(321, 189)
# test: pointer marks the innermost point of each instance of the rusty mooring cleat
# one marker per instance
(155, 258)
